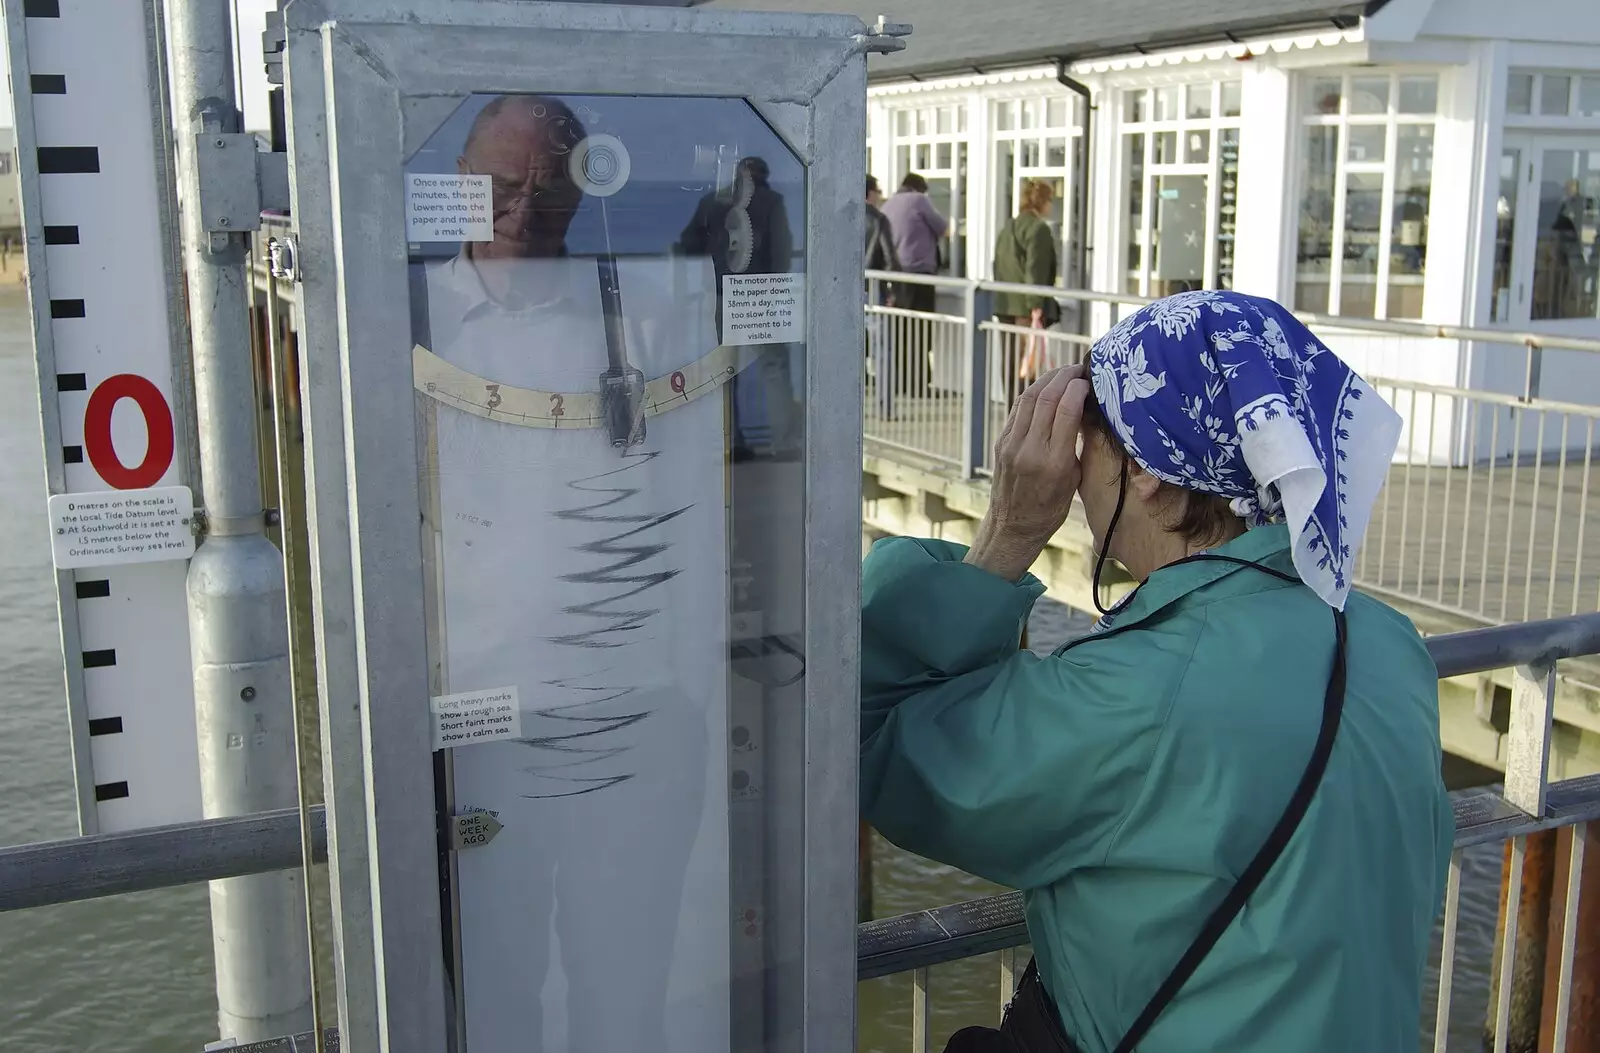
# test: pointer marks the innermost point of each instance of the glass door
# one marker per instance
(1546, 250)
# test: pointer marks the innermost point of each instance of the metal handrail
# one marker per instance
(102, 865)
(962, 930)
(1427, 330)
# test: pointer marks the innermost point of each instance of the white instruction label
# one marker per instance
(448, 207)
(475, 717)
(763, 309)
(104, 529)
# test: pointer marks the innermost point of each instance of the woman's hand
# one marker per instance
(1036, 474)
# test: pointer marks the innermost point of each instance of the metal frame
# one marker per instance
(367, 64)
(163, 257)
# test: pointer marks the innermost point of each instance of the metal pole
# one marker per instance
(237, 615)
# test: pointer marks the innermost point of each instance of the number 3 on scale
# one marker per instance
(97, 441)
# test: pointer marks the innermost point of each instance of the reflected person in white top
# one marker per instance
(595, 582)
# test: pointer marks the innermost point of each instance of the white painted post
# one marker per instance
(1533, 695)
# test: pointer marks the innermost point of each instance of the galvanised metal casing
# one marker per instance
(368, 84)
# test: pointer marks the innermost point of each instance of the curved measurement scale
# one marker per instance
(528, 408)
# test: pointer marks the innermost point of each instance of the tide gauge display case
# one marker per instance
(581, 311)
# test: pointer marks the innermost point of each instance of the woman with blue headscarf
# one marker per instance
(1224, 805)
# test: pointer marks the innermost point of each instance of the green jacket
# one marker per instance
(1125, 783)
(1025, 253)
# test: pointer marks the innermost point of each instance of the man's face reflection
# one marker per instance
(522, 144)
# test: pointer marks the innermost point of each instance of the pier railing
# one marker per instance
(1487, 512)
(1522, 816)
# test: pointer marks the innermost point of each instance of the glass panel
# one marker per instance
(1030, 153)
(924, 156)
(1555, 95)
(1232, 98)
(902, 161)
(1589, 97)
(1505, 213)
(1319, 167)
(1166, 148)
(1167, 103)
(1004, 115)
(1197, 98)
(1030, 113)
(1408, 250)
(591, 588)
(1227, 204)
(922, 122)
(1136, 106)
(1365, 142)
(1363, 218)
(1197, 146)
(961, 118)
(1564, 258)
(1369, 95)
(902, 123)
(1005, 177)
(942, 157)
(1179, 254)
(1056, 114)
(946, 120)
(1135, 213)
(1519, 93)
(1055, 153)
(1323, 95)
(1419, 95)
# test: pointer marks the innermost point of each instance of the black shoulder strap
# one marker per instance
(1220, 918)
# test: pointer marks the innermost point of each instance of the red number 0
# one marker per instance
(158, 426)
(677, 383)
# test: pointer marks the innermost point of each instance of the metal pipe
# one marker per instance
(101, 865)
(237, 614)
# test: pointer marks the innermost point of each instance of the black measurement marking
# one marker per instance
(48, 84)
(41, 8)
(68, 160)
(61, 235)
(68, 309)
(72, 382)
(106, 726)
(100, 659)
(111, 791)
(72, 454)
(93, 590)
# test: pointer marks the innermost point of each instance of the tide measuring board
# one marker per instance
(97, 205)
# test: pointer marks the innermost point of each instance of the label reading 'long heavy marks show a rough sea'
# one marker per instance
(474, 717)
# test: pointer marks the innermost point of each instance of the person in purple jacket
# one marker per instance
(917, 226)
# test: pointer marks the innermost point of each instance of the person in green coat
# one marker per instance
(1224, 806)
(1025, 253)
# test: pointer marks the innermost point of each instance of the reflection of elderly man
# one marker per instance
(617, 657)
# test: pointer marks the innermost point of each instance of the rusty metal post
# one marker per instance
(1582, 979)
(1531, 933)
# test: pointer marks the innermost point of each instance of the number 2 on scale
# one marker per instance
(557, 404)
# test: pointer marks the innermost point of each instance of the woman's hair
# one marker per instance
(1199, 518)
(914, 183)
(1037, 195)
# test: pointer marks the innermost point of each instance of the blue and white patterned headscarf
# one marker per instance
(1230, 395)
